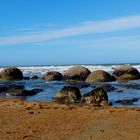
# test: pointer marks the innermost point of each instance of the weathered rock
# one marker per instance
(17, 90)
(34, 77)
(11, 73)
(53, 76)
(25, 92)
(68, 95)
(99, 76)
(76, 73)
(96, 96)
(11, 88)
(126, 72)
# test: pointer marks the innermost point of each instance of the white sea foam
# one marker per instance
(61, 69)
(40, 70)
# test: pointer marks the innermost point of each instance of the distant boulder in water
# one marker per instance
(126, 72)
(99, 76)
(76, 73)
(11, 73)
(53, 76)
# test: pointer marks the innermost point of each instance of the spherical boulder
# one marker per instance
(53, 76)
(68, 95)
(96, 96)
(11, 73)
(76, 73)
(126, 72)
(99, 76)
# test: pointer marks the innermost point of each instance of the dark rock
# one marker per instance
(96, 96)
(128, 86)
(79, 84)
(108, 87)
(11, 73)
(76, 73)
(53, 76)
(68, 95)
(126, 73)
(119, 90)
(34, 77)
(11, 88)
(127, 101)
(25, 92)
(99, 76)
(26, 78)
(17, 90)
(137, 87)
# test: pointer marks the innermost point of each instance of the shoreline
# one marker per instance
(47, 120)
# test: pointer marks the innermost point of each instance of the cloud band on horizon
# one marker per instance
(113, 25)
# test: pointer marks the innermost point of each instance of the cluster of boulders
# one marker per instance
(76, 77)
(68, 94)
(80, 73)
(76, 73)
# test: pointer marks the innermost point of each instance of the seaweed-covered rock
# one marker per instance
(126, 72)
(96, 96)
(53, 76)
(76, 73)
(99, 76)
(11, 73)
(68, 95)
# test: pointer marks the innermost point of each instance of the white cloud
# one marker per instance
(109, 42)
(91, 27)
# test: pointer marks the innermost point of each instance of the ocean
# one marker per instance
(50, 88)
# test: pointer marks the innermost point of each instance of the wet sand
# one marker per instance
(21, 120)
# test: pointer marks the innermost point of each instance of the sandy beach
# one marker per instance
(51, 121)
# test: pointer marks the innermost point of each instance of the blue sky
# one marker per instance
(53, 32)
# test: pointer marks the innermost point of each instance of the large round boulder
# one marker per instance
(76, 73)
(53, 76)
(126, 72)
(99, 76)
(68, 95)
(97, 96)
(11, 73)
